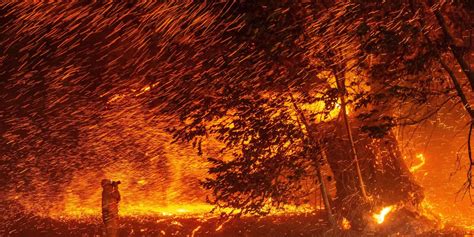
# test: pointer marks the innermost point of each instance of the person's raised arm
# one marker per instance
(116, 194)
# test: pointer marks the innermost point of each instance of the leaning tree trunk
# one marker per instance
(322, 186)
(388, 180)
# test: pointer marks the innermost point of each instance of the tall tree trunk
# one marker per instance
(340, 82)
(324, 193)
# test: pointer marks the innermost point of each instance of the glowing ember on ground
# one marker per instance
(345, 224)
(380, 216)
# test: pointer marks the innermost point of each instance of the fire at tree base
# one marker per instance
(390, 185)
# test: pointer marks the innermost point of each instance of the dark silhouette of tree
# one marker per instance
(247, 105)
(240, 106)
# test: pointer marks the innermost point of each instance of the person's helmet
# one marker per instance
(105, 182)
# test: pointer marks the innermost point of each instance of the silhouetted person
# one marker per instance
(110, 201)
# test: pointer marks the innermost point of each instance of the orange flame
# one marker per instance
(380, 217)
(345, 224)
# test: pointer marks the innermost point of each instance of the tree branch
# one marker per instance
(457, 52)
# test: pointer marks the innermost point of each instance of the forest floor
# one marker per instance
(274, 226)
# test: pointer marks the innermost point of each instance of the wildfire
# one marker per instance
(64, 130)
(380, 216)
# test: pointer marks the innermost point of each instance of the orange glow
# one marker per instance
(345, 224)
(78, 118)
(380, 216)
(318, 107)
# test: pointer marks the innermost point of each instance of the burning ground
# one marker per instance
(302, 106)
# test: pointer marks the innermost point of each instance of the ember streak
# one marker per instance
(145, 92)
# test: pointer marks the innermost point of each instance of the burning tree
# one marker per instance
(255, 109)
(351, 62)
(404, 48)
(247, 106)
